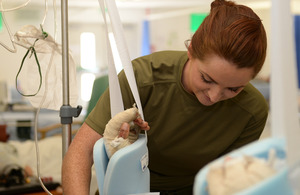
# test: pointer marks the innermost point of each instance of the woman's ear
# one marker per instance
(189, 52)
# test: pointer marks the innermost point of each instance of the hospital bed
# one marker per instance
(50, 147)
(50, 154)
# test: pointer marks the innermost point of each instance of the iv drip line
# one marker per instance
(12, 40)
(14, 50)
(48, 68)
(15, 8)
(46, 12)
(36, 128)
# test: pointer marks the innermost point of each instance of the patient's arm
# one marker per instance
(122, 130)
(76, 169)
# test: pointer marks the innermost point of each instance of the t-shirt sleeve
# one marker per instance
(101, 114)
(251, 133)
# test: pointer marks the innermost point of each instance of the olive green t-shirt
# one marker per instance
(185, 135)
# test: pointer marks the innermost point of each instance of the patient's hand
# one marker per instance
(124, 131)
(28, 171)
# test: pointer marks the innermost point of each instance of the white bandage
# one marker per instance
(111, 137)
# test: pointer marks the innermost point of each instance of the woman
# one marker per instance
(199, 104)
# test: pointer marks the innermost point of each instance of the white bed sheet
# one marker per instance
(50, 154)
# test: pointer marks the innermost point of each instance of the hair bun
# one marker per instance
(218, 3)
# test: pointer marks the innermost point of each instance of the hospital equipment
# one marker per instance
(41, 70)
(45, 49)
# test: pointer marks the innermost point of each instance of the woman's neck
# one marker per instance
(185, 76)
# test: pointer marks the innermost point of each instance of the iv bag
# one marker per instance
(48, 56)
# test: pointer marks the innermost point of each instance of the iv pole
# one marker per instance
(66, 111)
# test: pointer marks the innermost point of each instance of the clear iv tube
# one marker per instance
(55, 20)
(14, 50)
(36, 124)
(14, 8)
(46, 12)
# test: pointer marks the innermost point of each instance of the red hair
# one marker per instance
(233, 32)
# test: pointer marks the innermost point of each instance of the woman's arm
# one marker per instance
(77, 163)
(251, 133)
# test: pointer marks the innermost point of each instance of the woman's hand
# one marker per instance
(142, 124)
(125, 127)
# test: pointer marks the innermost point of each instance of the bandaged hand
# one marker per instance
(122, 130)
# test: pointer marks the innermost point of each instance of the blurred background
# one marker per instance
(149, 26)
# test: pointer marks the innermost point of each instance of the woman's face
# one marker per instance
(214, 79)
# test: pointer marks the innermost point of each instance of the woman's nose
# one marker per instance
(215, 94)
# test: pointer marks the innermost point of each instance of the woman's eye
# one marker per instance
(234, 89)
(205, 80)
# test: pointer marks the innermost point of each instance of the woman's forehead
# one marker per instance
(224, 72)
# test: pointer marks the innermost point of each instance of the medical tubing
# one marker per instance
(15, 8)
(36, 124)
(55, 20)
(37, 150)
(39, 69)
(45, 35)
(46, 12)
(14, 50)
(20, 69)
